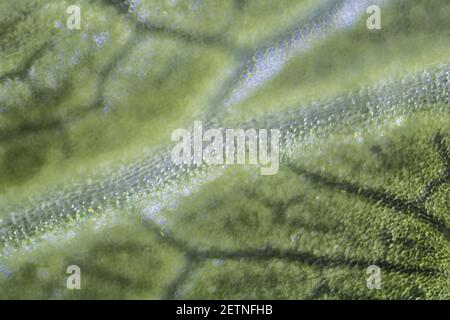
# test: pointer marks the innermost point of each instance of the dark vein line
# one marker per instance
(172, 290)
(379, 197)
(309, 259)
(289, 255)
(30, 128)
(434, 184)
(21, 71)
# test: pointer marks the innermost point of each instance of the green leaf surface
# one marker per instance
(86, 177)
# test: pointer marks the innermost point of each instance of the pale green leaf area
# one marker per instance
(79, 106)
(84, 99)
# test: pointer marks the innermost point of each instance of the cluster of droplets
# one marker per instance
(153, 182)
